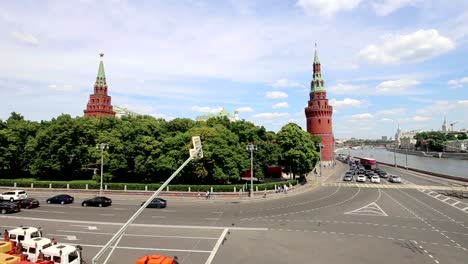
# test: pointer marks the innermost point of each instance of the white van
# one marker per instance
(31, 247)
(14, 195)
(24, 233)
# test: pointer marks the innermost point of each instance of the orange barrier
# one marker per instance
(155, 259)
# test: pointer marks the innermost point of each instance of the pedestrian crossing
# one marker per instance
(386, 186)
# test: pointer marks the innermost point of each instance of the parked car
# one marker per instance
(156, 203)
(9, 207)
(28, 203)
(394, 178)
(60, 199)
(375, 179)
(99, 201)
(361, 178)
(14, 195)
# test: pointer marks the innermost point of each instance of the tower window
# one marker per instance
(328, 121)
(320, 121)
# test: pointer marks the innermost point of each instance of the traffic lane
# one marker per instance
(425, 214)
(342, 196)
(417, 178)
(299, 246)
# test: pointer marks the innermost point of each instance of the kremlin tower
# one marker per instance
(319, 113)
(99, 103)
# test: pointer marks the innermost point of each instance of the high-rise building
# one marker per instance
(319, 112)
(384, 138)
(99, 103)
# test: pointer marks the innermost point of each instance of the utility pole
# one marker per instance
(251, 147)
(102, 146)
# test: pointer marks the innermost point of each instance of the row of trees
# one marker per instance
(435, 141)
(146, 149)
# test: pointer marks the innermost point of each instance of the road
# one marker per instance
(335, 222)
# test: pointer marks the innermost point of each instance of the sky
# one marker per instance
(385, 62)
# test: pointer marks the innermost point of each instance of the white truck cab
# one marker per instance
(24, 233)
(32, 247)
(63, 254)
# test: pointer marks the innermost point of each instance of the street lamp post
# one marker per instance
(251, 147)
(320, 162)
(102, 146)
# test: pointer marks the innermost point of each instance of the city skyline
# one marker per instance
(383, 61)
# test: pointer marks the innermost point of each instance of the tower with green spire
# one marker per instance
(99, 103)
(319, 113)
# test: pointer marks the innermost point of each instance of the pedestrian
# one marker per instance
(6, 236)
(207, 194)
(285, 189)
(40, 257)
(18, 248)
(264, 193)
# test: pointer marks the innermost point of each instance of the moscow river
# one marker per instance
(453, 167)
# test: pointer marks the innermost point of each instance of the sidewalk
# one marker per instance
(313, 181)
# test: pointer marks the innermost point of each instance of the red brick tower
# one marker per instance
(319, 113)
(99, 103)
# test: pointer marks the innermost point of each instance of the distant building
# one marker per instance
(398, 137)
(407, 139)
(99, 103)
(385, 138)
(222, 113)
(122, 111)
(444, 125)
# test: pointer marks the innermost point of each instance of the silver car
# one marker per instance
(394, 178)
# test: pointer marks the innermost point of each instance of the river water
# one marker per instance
(453, 167)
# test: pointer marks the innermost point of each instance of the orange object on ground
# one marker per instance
(156, 259)
(9, 259)
(5, 246)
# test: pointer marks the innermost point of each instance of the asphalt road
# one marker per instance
(335, 222)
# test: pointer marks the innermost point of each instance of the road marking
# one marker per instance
(87, 227)
(168, 211)
(216, 247)
(137, 235)
(370, 209)
(210, 218)
(157, 216)
(151, 249)
(44, 211)
(107, 214)
(140, 225)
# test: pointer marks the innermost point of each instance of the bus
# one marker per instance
(368, 163)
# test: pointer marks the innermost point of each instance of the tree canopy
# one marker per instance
(147, 150)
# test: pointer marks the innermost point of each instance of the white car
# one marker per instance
(394, 179)
(361, 178)
(14, 195)
(375, 179)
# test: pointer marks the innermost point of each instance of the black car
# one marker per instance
(28, 203)
(61, 199)
(156, 203)
(99, 201)
(382, 174)
(9, 207)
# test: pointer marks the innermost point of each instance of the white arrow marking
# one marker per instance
(67, 237)
(87, 227)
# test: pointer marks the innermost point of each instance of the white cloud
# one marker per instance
(280, 105)
(276, 95)
(246, 109)
(327, 7)
(458, 83)
(206, 109)
(415, 47)
(386, 7)
(62, 88)
(437, 107)
(420, 118)
(462, 103)
(396, 87)
(341, 88)
(362, 116)
(394, 111)
(25, 37)
(347, 102)
(271, 115)
(285, 83)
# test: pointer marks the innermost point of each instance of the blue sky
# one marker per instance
(382, 60)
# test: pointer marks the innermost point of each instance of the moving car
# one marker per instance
(156, 203)
(361, 178)
(99, 201)
(14, 195)
(61, 199)
(348, 177)
(28, 203)
(382, 174)
(9, 207)
(394, 178)
(375, 179)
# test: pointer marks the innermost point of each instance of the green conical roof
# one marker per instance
(101, 76)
